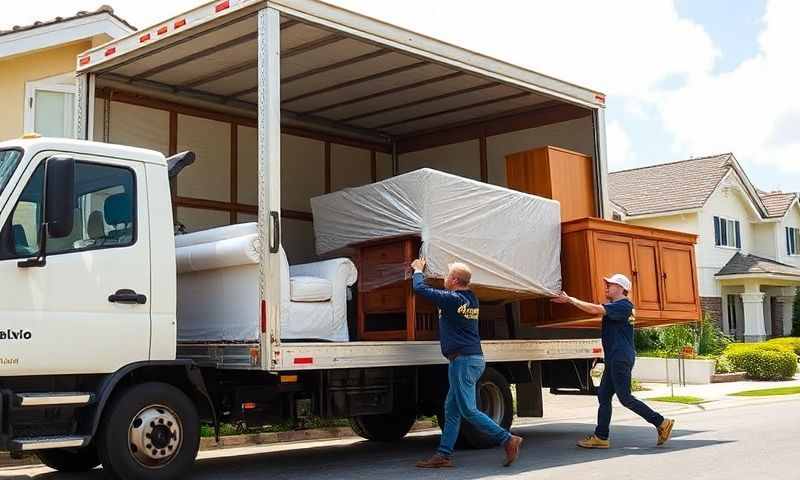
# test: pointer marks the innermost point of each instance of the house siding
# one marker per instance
(792, 219)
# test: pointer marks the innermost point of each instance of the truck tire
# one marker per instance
(494, 398)
(388, 427)
(150, 431)
(68, 460)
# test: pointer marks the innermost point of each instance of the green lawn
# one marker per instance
(688, 400)
(768, 392)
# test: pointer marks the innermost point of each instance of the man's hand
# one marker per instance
(562, 298)
(418, 265)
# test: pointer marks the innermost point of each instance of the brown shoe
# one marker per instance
(512, 447)
(665, 430)
(436, 461)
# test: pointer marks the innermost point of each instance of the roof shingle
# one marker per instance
(741, 264)
(668, 187)
(37, 24)
(777, 203)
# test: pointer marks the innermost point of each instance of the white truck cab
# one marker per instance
(95, 277)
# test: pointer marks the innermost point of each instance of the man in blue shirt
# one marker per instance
(619, 356)
(461, 344)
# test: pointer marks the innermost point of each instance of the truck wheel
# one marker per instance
(150, 431)
(383, 428)
(64, 460)
(494, 398)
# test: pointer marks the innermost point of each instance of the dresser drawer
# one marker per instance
(383, 254)
(385, 300)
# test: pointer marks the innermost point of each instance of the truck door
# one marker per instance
(87, 309)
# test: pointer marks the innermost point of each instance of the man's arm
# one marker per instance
(441, 298)
(587, 307)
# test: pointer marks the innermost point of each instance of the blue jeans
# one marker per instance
(617, 379)
(463, 374)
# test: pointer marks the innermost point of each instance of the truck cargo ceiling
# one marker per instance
(357, 81)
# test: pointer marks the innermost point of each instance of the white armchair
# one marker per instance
(218, 290)
(314, 303)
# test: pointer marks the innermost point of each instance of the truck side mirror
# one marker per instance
(59, 196)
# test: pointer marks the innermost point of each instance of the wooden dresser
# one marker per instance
(387, 306)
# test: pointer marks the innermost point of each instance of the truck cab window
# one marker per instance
(8, 163)
(104, 214)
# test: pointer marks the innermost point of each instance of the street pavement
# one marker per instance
(754, 439)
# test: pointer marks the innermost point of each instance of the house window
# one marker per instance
(727, 233)
(49, 106)
(732, 320)
(793, 240)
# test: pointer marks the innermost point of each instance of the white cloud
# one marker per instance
(620, 153)
(753, 110)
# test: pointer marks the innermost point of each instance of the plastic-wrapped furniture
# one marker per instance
(218, 295)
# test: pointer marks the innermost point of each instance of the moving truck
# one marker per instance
(280, 101)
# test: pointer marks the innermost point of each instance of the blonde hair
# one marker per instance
(461, 272)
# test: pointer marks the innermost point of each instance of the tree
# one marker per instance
(796, 314)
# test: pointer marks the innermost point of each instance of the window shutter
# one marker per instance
(723, 230)
(788, 241)
(738, 234)
(717, 236)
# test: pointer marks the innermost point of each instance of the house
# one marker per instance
(748, 250)
(37, 85)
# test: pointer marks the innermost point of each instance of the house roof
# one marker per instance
(24, 39)
(748, 264)
(668, 187)
(777, 203)
(43, 23)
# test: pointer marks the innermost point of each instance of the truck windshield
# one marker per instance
(8, 163)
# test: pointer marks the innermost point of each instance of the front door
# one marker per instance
(61, 318)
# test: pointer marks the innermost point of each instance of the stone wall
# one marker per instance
(713, 307)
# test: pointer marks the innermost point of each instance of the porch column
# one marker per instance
(753, 306)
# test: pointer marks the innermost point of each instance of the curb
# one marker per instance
(234, 441)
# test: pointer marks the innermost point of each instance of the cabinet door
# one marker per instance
(678, 277)
(613, 254)
(646, 283)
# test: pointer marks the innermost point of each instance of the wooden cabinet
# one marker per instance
(555, 173)
(387, 307)
(660, 263)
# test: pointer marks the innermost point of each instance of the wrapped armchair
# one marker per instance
(218, 290)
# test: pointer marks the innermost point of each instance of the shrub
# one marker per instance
(789, 342)
(763, 364)
(761, 346)
(711, 340)
(647, 339)
(676, 337)
(724, 365)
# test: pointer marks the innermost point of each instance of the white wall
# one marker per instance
(576, 135)
(462, 159)
(727, 201)
(685, 222)
(792, 219)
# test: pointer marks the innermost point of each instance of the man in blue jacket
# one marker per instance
(620, 354)
(461, 344)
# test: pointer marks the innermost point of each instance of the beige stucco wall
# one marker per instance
(20, 69)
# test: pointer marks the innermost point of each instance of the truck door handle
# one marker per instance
(127, 296)
(275, 241)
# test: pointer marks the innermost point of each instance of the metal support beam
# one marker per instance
(269, 178)
(392, 91)
(197, 55)
(454, 110)
(312, 45)
(224, 73)
(357, 81)
(334, 66)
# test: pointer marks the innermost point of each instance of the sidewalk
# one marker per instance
(713, 391)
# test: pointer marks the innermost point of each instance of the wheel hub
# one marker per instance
(155, 436)
(491, 401)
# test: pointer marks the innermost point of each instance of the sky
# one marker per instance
(683, 78)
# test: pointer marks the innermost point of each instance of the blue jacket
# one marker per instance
(458, 317)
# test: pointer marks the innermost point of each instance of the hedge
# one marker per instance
(763, 364)
(761, 346)
(790, 342)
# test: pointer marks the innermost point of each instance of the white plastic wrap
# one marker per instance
(511, 240)
(218, 294)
